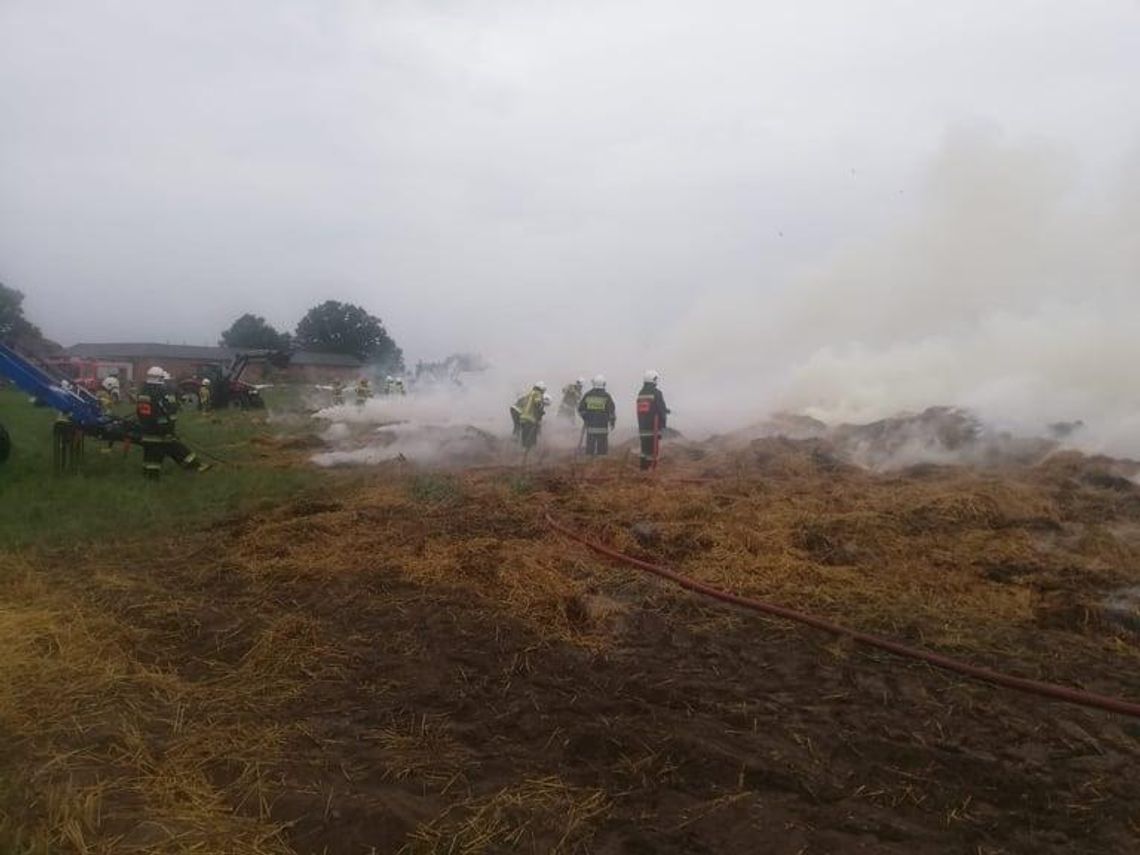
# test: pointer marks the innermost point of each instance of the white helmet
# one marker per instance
(154, 374)
(110, 383)
(599, 381)
(580, 382)
(389, 379)
(205, 381)
(653, 377)
(547, 400)
(540, 385)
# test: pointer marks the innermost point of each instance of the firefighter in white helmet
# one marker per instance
(112, 388)
(599, 415)
(157, 414)
(651, 415)
(205, 395)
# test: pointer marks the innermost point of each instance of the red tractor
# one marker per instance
(226, 386)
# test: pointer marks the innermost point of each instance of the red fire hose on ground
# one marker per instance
(997, 678)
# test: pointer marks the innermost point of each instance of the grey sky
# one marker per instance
(479, 171)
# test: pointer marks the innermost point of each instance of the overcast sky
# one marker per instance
(539, 173)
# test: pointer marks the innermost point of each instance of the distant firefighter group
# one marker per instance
(391, 386)
(598, 412)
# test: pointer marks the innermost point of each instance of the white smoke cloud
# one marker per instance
(1014, 291)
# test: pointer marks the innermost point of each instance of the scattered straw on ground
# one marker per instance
(153, 695)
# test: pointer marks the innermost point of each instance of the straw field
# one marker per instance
(413, 661)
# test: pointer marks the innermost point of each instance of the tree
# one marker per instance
(335, 327)
(251, 332)
(15, 329)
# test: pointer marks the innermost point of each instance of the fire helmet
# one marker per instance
(154, 374)
(599, 381)
(653, 377)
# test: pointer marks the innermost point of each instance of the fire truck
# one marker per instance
(89, 374)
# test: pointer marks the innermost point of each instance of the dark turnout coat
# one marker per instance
(597, 410)
(651, 409)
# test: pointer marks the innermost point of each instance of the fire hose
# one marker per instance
(986, 675)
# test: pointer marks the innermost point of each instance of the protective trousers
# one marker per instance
(648, 449)
(597, 441)
(157, 448)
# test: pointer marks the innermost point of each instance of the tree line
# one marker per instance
(15, 329)
(331, 327)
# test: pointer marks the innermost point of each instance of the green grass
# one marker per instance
(108, 497)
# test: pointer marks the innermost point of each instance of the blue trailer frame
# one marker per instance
(82, 409)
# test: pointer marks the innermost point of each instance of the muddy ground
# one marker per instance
(422, 665)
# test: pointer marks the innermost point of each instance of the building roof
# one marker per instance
(336, 360)
(146, 350)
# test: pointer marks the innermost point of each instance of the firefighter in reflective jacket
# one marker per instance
(571, 397)
(651, 413)
(527, 414)
(598, 416)
(157, 414)
(204, 395)
(363, 391)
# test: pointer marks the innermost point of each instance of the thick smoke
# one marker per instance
(1013, 291)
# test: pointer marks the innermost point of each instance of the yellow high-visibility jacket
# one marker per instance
(531, 408)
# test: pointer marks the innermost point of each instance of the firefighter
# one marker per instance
(111, 387)
(571, 395)
(528, 412)
(337, 393)
(598, 417)
(106, 401)
(204, 395)
(651, 413)
(396, 387)
(157, 413)
(363, 391)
